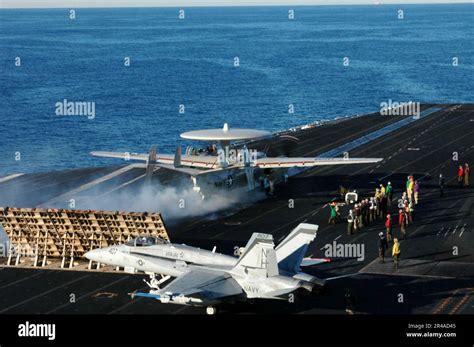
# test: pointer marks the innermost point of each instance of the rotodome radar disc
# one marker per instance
(224, 134)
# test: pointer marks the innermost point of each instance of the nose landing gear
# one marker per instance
(154, 282)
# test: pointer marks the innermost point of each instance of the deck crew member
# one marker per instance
(410, 211)
(389, 193)
(367, 212)
(388, 227)
(407, 185)
(460, 176)
(363, 211)
(416, 191)
(441, 185)
(410, 184)
(358, 215)
(466, 174)
(332, 216)
(349, 298)
(396, 253)
(402, 222)
(371, 210)
(271, 186)
(406, 210)
(266, 185)
(343, 191)
(350, 222)
(383, 246)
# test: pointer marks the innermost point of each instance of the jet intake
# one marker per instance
(307, 286)
(310, 283)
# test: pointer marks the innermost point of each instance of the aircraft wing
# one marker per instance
(203, 284)
(121, 155)
(198, 161)
(285, 162)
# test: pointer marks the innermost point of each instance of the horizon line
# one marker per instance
(455, 2)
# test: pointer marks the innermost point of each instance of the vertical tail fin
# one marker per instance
(259, 257)
(152, 155)
(292, 249)
(150, 164)
(177, 157)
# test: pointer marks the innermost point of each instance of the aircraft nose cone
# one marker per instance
(94, 255)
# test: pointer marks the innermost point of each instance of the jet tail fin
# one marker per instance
(152, 155)
(292, 249)
(259, 256)
(150, 164)
(177, 157)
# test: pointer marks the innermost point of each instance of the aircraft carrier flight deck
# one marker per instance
(433, 278)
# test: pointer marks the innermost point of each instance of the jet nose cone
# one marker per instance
(94, 255)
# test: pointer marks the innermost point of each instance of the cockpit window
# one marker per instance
(145, 241)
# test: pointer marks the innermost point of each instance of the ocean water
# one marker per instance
(191, 62)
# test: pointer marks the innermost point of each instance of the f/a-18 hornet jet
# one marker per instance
(212, 166)
(206, 278)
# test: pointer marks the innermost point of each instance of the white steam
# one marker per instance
(172, 202)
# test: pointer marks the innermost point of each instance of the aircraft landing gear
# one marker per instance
(211, 310)
(154, 282)
(196, 188)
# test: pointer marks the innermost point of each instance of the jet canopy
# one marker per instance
(143, 241)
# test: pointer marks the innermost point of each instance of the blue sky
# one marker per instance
(184, 3)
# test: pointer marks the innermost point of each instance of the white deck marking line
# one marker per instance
(252, 219)
(91, 184)
(462, 230)
(131, 302)
(42, 294)
(455, 229)
(127, 183)
(307, 215)
(447, 232)
(86, 295)
(402, 274)
(21, 280)
(337, 238)
(421, 227)
(439, 232)
(10, 177)
(366, 270)
(374, 135)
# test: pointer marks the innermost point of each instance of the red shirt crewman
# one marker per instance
(388, 227)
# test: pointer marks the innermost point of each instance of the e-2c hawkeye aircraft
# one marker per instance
(206, 278)
(227, 165)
